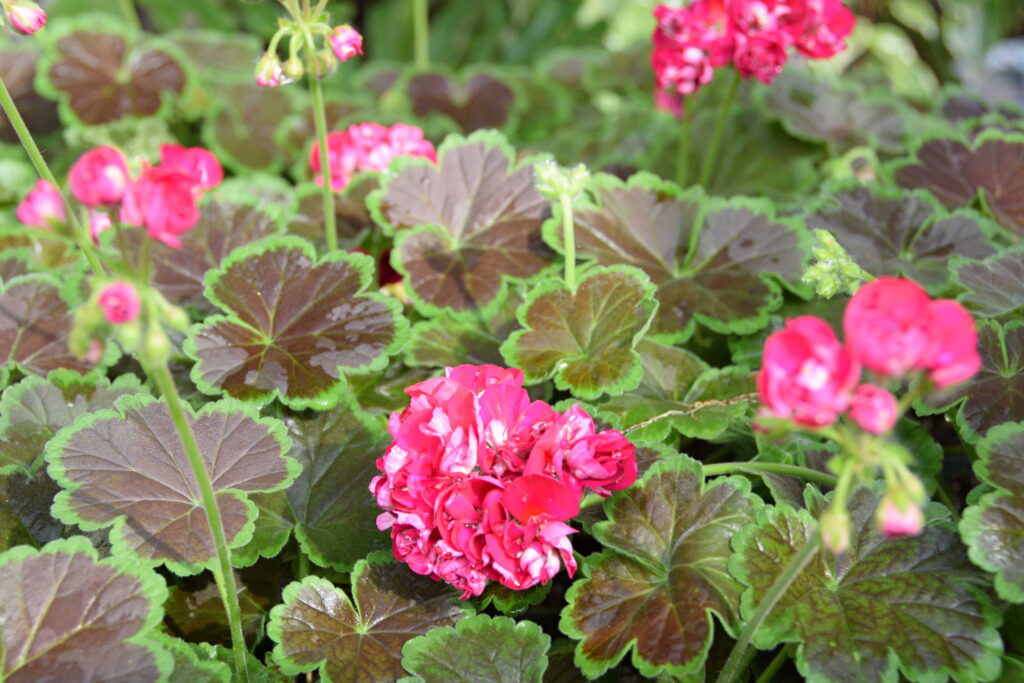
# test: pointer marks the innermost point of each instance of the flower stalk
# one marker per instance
(724, 110)
(320, 118)
(421, 33)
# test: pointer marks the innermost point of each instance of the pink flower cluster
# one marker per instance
(368, 147)
(892, 327)
(755, 35)
(480, 480)
(163, 199)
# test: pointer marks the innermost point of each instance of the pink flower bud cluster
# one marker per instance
(754, 35)
(480, 480)
(120, 302)
(892, 327)
(42, 206)
(163, 199)
(368, 147)
(25, 16)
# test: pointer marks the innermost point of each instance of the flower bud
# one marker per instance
(26, 17)
(156, 347)
(42, 207)
(897, 515)
(323, 64)
(269, 73)
(293, 69)
(835, 530)
(346, 42)
(120, 303)
(874, 409)
(100, 176)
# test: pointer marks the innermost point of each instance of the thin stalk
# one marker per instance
(770, 468)
(223, 572)
(683, 151)
(421, 33)
(130, 14)
(569, 241)
(80, 234)
(716, 138)
(320, 116)
(740, 655)
(303, 565)
(784, 654)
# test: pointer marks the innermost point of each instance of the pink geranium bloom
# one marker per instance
(874, 409)
(100, 176)
(162, 199)
(894, 521)
(346, 42)
(952, 352)
(886, 325)
(197, 162)
(368, 147)
(42, 206)
(760, 55)
(120, 303)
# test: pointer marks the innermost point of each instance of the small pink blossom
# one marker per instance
(26, 17)
(894, 521)
(42, 206)
(760, 55)
(99, 222)
(346, 42)
(874, 409)
(120, 303)
(824, 31)
(368, 147)
(886, 325)
(100, 176)
(269, 73)
(952, 352)
(197, 162)
(162, 199)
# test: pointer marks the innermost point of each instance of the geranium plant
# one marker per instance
(425, 371)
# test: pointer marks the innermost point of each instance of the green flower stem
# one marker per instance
(683, 151)
(740, 655)
(130, 14)
(770, 468)
(716, 138)
(303, 570)
(223, 572)
(784, 654)
(569, 241)
(80, 234)
(845, 482)
(421, 33)
(320, 116)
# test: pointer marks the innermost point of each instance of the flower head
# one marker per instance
(199, 163)
(163, 199)
(120, 302)
(874, 409)
(42, 206)
(346, 42)
(100, 176)
(26, 17)
(898, 516)
(368, 147)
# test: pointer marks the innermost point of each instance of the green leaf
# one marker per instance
(351, 217)
(994, 286)
(584, 339)
(994, 395)
(883, 605)
(35, 409)
(330, 499)
(18, 71)
(479, 649)
(195, 610)
(664, 574)
(464, 225)
(357, 640)
(993, 528)
(243, 131)
(189, 667)
(126, 468)
(450, 339)
(28, 500)
(257, 671)
(888, 232)
(295, 325)
(483, 102)
(708, 259)
(68, 617)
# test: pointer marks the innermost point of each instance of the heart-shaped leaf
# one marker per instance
(479, 649)
(35, 409)
(584, 339)
(102, 75)
(34, 328)
(993, 527)
(330, 499)
(655, 589)
(883, 604)
(126, 468)
(994, 395)
(483, 102)
(465, 224)
(358, 640)
(888, 232)
(222, 228)
(243, 132)
(955, 173)
(680, 392)
(18, 72)
(994, 286)
(295, 324)
(68, 617)
(820, 110)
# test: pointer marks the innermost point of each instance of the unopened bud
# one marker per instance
(269, 73)
(156, 346)
(897, 515)
(554, 182)
(835, 530)
(293, 68)
(323, 64)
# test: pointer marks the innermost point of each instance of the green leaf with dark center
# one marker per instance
(223, 227)
(450, 340)
(195, 610)
(358, 640)
(126, 468)
(479, 649)
(820, 110)
(885, 603)
(295, 325)
(330, 499)
(664, 574)
(35, 409)
(68, 617)
(696, 401)
(888, 232)
(103, 75)
(464, 225)
(34, 324)
(994, 286)
(18, 72)
(243, 132)
(994, 395)
(483, 102)
(955, 173)
(721, 281)
(584, 339)
(30, 500)
(993, 528)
